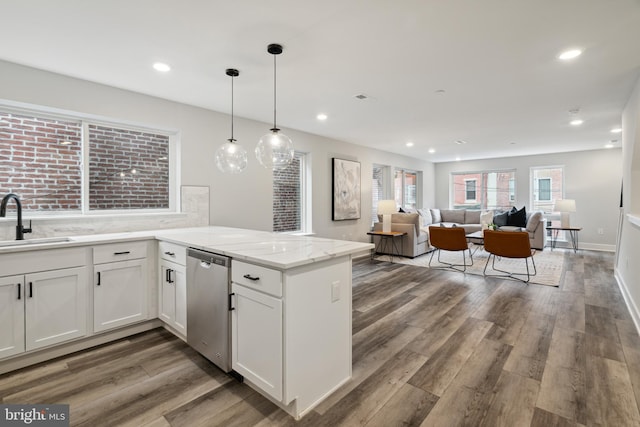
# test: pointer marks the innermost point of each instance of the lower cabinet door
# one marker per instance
(11, 315)
(173, 296)
(55, 306)
(119, 294)
(256, 339)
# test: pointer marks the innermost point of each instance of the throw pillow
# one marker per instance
(486, 218)
(500, 219)
(517, 218)
(435, 216)
(427, 220)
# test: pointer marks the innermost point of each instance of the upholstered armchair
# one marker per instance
(416, 242)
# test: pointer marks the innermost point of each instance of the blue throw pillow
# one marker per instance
(517, 218)
(500, 219)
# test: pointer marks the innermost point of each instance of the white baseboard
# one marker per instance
(586, 246)
(631, 305)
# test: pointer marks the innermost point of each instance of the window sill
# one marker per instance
(93, 217)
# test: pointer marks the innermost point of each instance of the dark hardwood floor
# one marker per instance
(430, 347)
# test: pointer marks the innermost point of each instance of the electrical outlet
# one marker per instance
(335, 291)
(600, 230)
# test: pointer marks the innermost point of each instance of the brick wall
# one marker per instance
(286, 197)
(40, 162)
(127, 169)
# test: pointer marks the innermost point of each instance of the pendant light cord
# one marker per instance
(232, 140)
(275, 128)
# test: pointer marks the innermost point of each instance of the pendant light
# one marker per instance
(231, 157)
(275, 149)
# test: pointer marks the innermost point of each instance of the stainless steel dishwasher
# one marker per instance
(208, 316)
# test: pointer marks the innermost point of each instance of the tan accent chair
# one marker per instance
(449, 239)
(509, 244)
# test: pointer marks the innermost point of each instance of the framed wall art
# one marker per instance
(346, 190)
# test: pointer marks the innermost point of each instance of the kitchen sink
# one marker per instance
(42, 241)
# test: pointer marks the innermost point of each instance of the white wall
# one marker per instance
(627, 265)
(243, 200)
(592, 178)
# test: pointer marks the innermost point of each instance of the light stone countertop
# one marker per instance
(282, 251)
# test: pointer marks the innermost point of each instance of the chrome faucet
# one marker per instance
(20, 230)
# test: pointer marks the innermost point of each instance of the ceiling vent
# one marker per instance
(361, 96)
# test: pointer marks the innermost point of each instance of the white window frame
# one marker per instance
(475, 190)
(404, 173)
(90, 119)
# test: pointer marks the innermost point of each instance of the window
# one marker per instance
(470, 190)
(547, 187)
(544, 190)
(378, 188)
(490, 190)
(512, 190)
(289, 196)
(42, 161)
(406, 188)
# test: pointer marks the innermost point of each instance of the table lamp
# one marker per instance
(386, 208)
(565, 207)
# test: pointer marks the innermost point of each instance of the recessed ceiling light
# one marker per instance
(162, 67)
(570, 54)
(440, 92)
(616, 130)
(409, 144)
(321, 116)
(576, 122)
(432, 150)
(460, 141)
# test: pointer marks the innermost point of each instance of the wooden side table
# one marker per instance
(387, 241)
(573, 233)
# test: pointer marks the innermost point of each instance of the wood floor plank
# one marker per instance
(567, 349)
(363, 402)
(604, 347)
(530, 350)
(513, 401)
(438, 372)
(599, 321)
(409, 406)
(484, 367)
(507, 310)
(610, 397)
(361, 319)
(542, 418)
(632, 358)
(563, 392)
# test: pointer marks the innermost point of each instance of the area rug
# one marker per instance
(549, 265)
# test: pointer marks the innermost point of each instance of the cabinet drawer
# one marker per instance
(256, 277)
(173, 252)
(119, 252)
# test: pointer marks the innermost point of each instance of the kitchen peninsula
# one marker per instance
(294, 348)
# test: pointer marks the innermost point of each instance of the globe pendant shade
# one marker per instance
(231, 158)
(274, 150)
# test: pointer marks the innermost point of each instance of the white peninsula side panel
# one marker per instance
(317, 332)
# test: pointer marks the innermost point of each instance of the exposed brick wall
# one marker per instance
(35, 165)
(287, 197)
(127, 169)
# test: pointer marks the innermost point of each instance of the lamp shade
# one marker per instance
(565, 205)
(387, 207)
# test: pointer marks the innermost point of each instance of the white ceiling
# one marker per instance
(506, 93)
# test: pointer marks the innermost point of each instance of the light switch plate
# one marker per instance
(335, 291)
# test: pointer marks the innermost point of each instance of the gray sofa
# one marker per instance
(416, 225)
(470, 220)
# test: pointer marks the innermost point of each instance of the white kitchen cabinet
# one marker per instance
(256, 339)
(291, 330)
(11, 315)
(173, 296)
(55, 306)
(120, 291)
(173, 286)
(41, 309)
